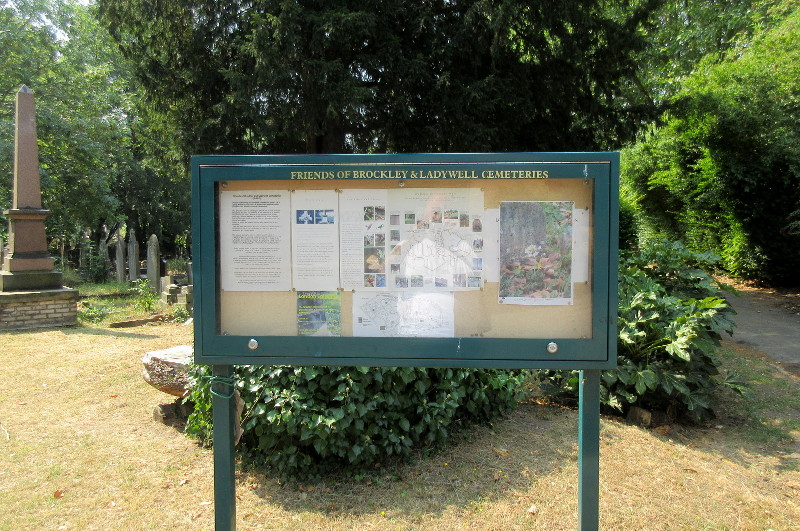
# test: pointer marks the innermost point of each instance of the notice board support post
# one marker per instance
(222, 403)
(589, 450)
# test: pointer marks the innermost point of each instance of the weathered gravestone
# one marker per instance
(120, 258)
(153, 264)
(133, 257)
(167, 370)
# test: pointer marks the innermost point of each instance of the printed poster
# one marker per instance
(436, 239)
(315, 240)
(403, 314)
(535, 252)
(255, 248)
(416, 239)
(363, 238)
(319, 313)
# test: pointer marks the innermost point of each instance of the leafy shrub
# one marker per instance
(145, 298)
(93, 313)
(98, 267)
(309, 420)
(628, 227)
(671, 319)
(177, 265)
(179, 313)
(70, 277)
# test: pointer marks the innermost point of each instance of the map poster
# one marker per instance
(536, 252)
(319, 313)
(403, 314)
(315, 240)
(255, 248)
(436, 239)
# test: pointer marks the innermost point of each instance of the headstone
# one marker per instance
(133, 257)
(83, 254)
(120, 258)
(189, 274)
(153, 263)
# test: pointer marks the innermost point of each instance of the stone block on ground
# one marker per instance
(648, 419)
(174, 414)
(167, 370)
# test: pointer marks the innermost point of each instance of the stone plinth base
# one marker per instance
(38, 309)
(30, 280)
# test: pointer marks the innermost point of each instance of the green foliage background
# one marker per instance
(723, 171)
(671, 319)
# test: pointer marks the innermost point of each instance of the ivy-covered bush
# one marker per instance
(671, 319)
(311, 419)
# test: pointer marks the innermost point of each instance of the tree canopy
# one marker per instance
(97, 143)
(127, 90)
(723, 172)
(341, 76)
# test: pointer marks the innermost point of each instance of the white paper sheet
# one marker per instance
(403, 314)
(435, 239)
(255, 253)
(489, 242)
(315, 240)
(581, 232)
(363, 239)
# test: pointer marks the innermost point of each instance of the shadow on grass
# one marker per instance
(537, 442)
(762, 423)
(78, 329)
(484, 463)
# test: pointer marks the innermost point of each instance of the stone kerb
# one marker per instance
(38, 309)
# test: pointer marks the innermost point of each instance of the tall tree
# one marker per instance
(57, 51)
(343, 75)
(105, 159)
(682, 33)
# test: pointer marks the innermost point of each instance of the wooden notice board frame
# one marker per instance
(501, 177)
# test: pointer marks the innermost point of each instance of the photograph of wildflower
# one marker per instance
(536, 252)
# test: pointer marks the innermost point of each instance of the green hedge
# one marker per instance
(309, 420)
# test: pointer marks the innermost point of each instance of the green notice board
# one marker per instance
(435, 260)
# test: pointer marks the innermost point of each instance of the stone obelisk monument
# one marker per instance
(31, 293)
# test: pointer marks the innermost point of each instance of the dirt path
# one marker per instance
(768, 321)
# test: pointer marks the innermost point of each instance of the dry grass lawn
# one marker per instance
(79, 449)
